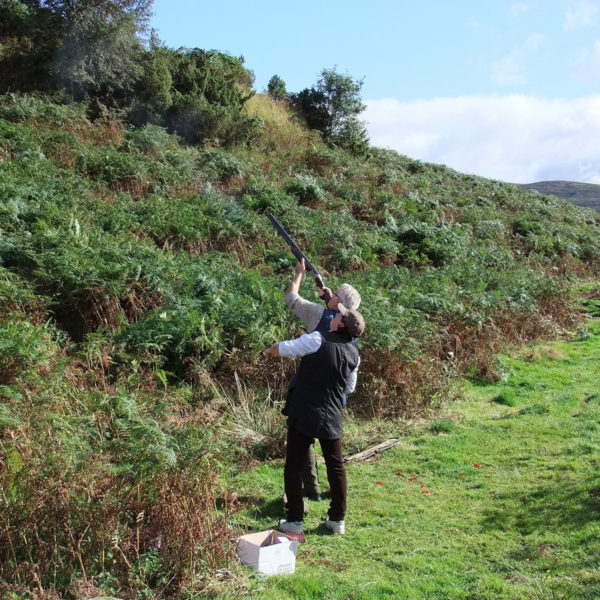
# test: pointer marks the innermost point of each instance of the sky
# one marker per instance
(508, 90)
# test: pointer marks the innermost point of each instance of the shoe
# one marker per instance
(289, 526)
(337, 527)
(315, 497)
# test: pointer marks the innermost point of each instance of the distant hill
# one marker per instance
(580, 194)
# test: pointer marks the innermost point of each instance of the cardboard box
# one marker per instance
(269, 552)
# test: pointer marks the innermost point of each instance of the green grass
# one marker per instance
(521, 525)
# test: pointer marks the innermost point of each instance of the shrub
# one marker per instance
(197, 120)
(175, 335)
(114, 167)
(23, 346)
(103, 498)
(221, 165)
(352, 136)
(527, 226)
(254, 421)
(151, 140)
(200, 95)
(323, 160)
(440, 244)
(216, 313)
(306, 188)
(17, 139)
(17, 297)
(26, 107)
(261, 196)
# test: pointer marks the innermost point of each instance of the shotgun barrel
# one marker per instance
(296, 251)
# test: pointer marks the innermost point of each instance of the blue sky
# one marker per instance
(504, 89)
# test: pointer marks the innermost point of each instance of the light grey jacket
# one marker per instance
(308, 312)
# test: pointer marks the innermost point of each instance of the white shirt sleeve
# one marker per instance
(307, 343)
(351, 381)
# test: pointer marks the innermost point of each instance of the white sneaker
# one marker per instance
(289, 526)
(337, 527)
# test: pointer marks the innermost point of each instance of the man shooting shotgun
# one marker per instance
(309, 312)
(315, 318)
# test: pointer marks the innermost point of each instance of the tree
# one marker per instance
(276, 88)
(100, 53)
(29, 37)
(352, 136)
(196, 93)
(91, 48)
(332, 107)
(88, 47)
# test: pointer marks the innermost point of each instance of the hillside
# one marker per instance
(586, 195)
(140, 279)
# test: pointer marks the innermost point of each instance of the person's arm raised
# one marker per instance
(295, 283)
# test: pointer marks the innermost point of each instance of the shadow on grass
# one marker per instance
(559, 506)
(272, 510)
(264, 508)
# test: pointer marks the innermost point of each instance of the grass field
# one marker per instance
(511, 510)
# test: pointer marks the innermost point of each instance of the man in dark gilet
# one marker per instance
(316, 318)
(328, 369)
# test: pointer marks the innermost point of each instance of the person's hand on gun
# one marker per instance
(300, 267)
(325, 294)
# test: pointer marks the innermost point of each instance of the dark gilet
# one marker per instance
(315, 403)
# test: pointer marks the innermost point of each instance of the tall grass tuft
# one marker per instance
(254, 421)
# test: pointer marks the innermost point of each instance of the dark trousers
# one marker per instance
(297, 447)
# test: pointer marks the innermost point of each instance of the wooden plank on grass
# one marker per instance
(370, 452)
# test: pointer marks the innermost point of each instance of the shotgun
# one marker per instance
(300, 255)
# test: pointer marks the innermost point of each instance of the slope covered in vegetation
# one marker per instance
(139, 279)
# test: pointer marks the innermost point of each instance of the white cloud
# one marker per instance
(519, 8)
(510, 69)
(534, 42)
(587, 67)
(513, 138)
(581, 14)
